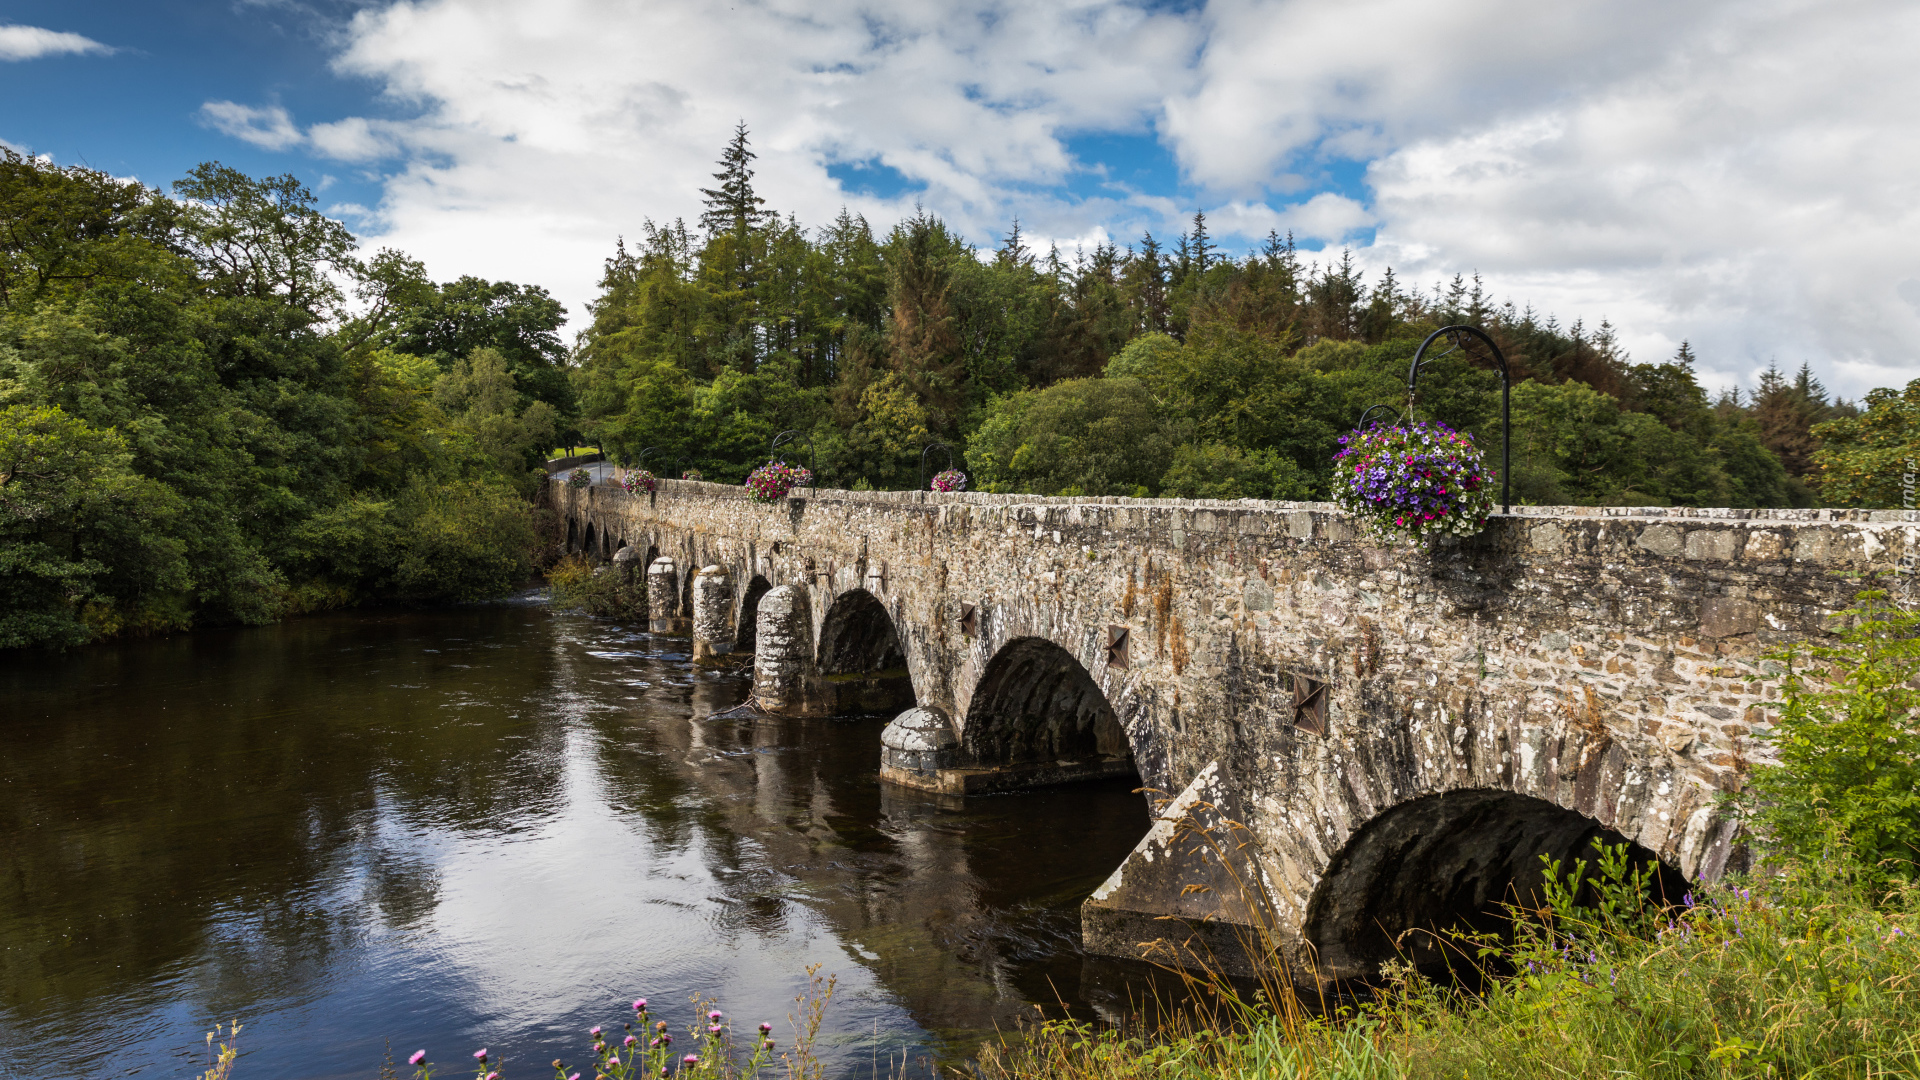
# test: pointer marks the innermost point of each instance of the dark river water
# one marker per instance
(496, 826)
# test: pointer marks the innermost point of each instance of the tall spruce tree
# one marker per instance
(733, 207)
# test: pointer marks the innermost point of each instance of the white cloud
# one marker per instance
(270, 127)
(33, 42)
(1756, 189)
(1743, 173)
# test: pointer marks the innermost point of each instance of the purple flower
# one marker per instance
(418, 1057)
(639, 1004)
(480, 1054)
(631, 1040)
(594, 1031)
(765, 1027)
(715, 1014)
(690, 1059)
(713, 1029)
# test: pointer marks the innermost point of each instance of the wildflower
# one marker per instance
(765, 1027)
(714, 1015)
(594, 1031)
(418, 1057)
(639, 1004)
(495, 1075)
(768, 1044)
(480, 1054)
(713, 1029)
(630, 1041)
(690, 1059)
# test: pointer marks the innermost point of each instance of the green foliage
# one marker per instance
(1222, 471)
(1078, 437)
(882, 344)
(1869, 459)
(1799, 977)
(1847, 738)
(577, 585)
(210, 435)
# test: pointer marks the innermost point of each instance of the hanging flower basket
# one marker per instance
(1413, 480)
(579, 478)
(636, 481)
(950, 480)
(692, 474)
(772, 481)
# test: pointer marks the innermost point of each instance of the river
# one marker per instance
(495, 826)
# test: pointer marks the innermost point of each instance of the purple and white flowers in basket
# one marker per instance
(638, 480)
(579, 478)
(949, 480)
(1413, 480)
(772, 481)
(692, 474)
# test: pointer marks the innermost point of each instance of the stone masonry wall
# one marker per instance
(1605, 660)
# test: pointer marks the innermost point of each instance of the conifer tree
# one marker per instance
(733, 207)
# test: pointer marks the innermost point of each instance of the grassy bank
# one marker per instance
(1798, 975)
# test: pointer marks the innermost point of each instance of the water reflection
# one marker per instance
(490, 825)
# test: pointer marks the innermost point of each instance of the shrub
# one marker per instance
(610, 591)
(1848, 747)
(462, 541)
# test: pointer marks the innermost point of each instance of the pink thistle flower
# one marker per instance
(631, 1040)
(418, 1057)
(690, 1059)
(715, 1015)
(480, 1054)
(594, 1031)
(765, 1027)
(713, 1029)
(639, 1004)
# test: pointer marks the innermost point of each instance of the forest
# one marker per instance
(1161, 369)
(215, 407)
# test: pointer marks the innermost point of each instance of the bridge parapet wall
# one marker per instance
(1608, 661)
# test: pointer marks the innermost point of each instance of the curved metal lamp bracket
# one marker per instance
(1458, 338)
(948, 450)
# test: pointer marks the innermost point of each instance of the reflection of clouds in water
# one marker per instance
(582, 914)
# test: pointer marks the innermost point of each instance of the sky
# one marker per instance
(1740, 174)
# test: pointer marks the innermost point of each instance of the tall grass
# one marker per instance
(1796, 975)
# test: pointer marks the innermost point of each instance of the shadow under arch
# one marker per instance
(745, 627)
(862, 664)
(1038, 715)
(1448, 861)
(588, 546)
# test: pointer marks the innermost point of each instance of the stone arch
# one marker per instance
(588, 543)
(745, 625)
(1445, 861)
(861, 660)
(1038, 713)
(570, 544)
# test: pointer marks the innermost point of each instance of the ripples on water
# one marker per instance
(494, 826)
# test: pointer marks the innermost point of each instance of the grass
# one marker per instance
(1796, 975)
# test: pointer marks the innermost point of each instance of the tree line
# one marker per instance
(214, 406)
(1162, 368)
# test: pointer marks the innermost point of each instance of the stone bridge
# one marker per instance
(1346, 739)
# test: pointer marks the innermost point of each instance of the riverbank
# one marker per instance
(1795, 976)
